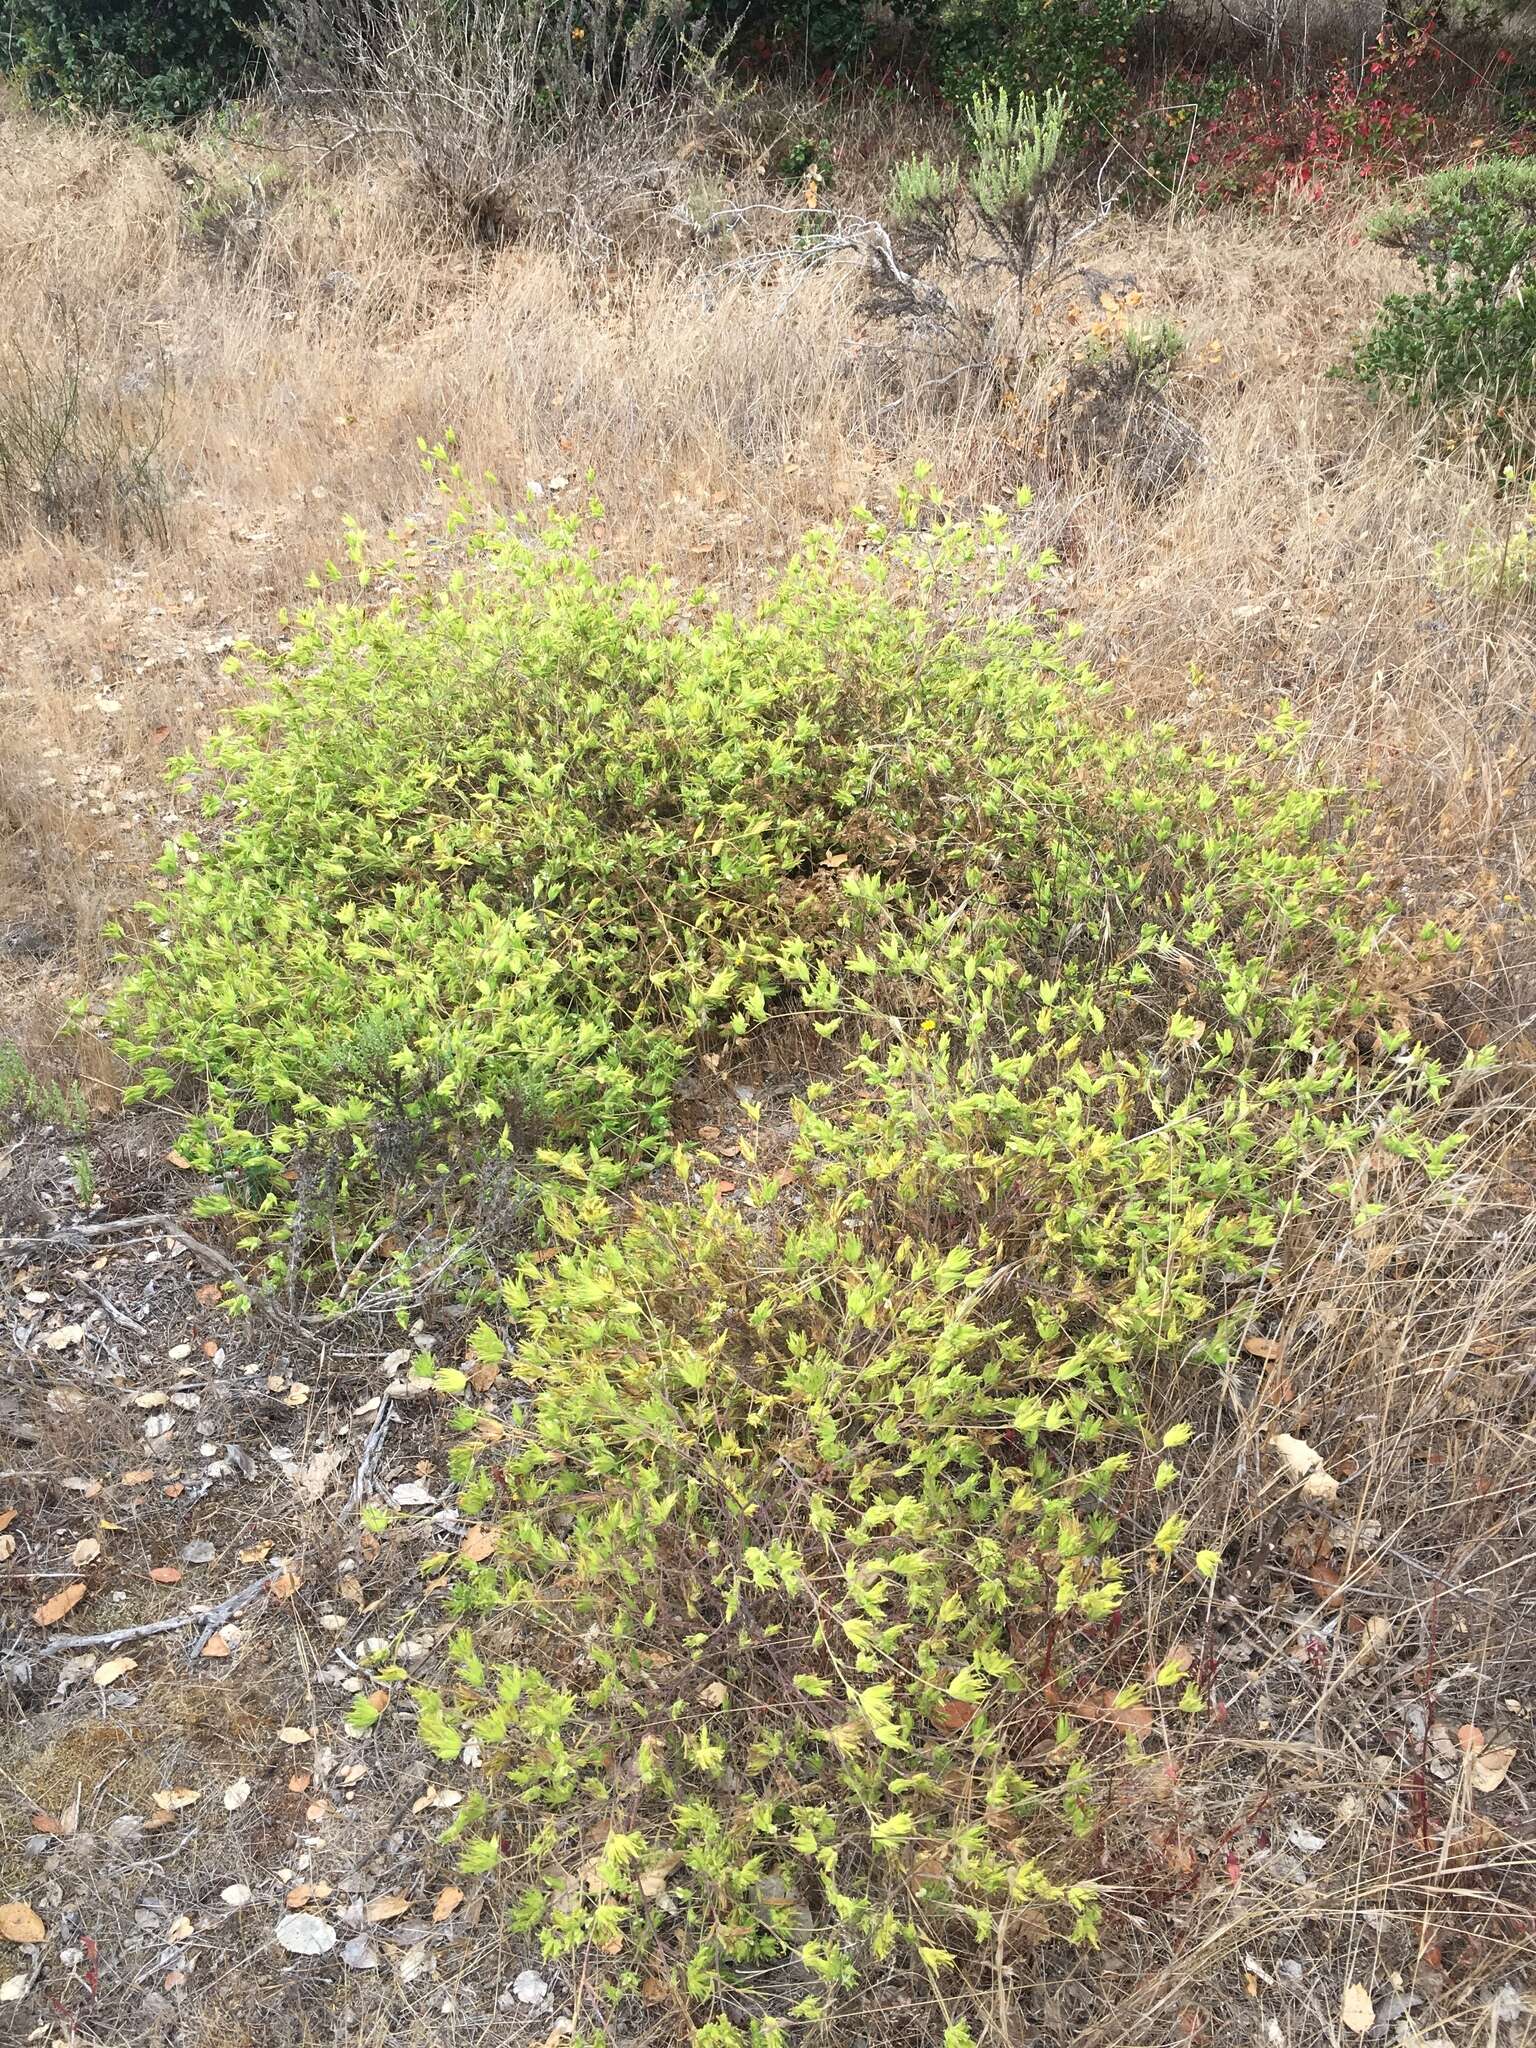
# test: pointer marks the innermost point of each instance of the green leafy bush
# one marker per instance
(495, 864)
(1032, 47)
(165, 62)
(1010, 187)
(816, 1622)
(812, 1603)
(1466, 342)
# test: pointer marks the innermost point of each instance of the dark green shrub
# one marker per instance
(1073, 47)
(157, 60)
(1466, 342)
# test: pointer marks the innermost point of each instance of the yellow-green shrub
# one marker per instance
(496, 861)
(823, 1531)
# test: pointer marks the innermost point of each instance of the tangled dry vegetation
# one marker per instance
(266, 335)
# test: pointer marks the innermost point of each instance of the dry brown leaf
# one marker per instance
(1297, 1457)
(1303, 1464)
(140, 1478)
(285, 1585)
(7, 1516)
(1374, 1638)
(479, 1543)
(216, 1646)
(55, 1609)
(1325, 1583)
(1100, 1706)
(7, 1546)
(113, 1669)
(1488, 1768)
(166, 1574)
(1356, 2010)
(18, 1922)
(388, 1906)
(653, 1880)
(1264, 1347)
(448, 1900)
(950, 1716)
(172, 1798)
(86, 1551)
(294, 1736)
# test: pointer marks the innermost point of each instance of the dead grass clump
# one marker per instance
(509, 116)
(76, 458)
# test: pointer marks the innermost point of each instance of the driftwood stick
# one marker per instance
(112, 1637)
(113, 1226)
(209, 1619)
(373, 1443)
(74, 1237)
(118, 1226)
(226, 1610)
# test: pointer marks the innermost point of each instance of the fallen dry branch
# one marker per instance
(210, 1619)
(372, 1445)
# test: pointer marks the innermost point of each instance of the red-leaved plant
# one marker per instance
(1406, 110)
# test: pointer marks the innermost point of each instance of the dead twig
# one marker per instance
(210, 1620)
(112, 1226)
(159, 1222)
(373, 1443)
(227, 1609)
(124, 1322)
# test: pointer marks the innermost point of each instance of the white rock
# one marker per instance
(305, 1934)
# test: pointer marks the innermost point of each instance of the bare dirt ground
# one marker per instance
(1356, 1811)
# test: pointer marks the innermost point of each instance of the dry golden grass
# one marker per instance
(720, 411)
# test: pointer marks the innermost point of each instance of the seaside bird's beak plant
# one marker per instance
(830, 1537)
